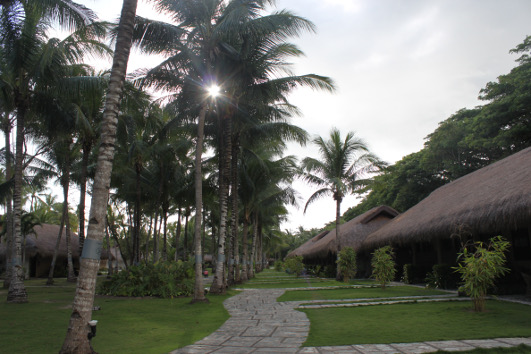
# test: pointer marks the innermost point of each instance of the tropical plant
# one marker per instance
(76, 340)
(480, 265)
(347, 263)
(31, 64)
(342, 169)
(294, 265)
(162, 279)
(383, 265)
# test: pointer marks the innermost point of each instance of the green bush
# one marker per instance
(414, 274)
(278, 266)
(162, 279)
(294, 265)
(383, 265)
(442, 276)
(480, 267)
(347, 263)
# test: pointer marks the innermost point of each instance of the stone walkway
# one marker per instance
(260, 324)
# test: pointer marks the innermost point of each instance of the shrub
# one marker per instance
(383, 265)
(480, 267)
(278, 266)
(347, 263)
(414, 273)
(442, 276)
(294, 265)
(162, 279)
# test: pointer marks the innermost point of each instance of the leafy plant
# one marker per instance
(278, 266)
(442, 277)
(294, 265)
(162, 279)
(383, 265)
(480, 267)
(347, 263)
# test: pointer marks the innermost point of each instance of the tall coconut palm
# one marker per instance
(342, 169)
(76, 340)
(206, 47)
(32, 67)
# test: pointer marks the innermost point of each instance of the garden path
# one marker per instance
(260, 324)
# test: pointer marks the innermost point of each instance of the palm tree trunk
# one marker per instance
(9, 206)
(199, 292)
(185, 243)
(177, 235)
(165, 235)
(245, 261)
(218, 285)
(233, 258)
(56, 251)
(115, 236)
(338, 238)
(253, 247)
(110, 271)
(136, 234)
(155, 239)
(83, 192)
(71, 277)
(76, 340)
(17, 291)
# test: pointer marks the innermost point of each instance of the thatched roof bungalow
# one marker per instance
(352, 233)
(494, 199)
(39, 249)
(488, 202)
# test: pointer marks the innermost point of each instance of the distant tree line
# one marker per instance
(465, 142)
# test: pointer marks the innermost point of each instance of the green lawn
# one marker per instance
(143, 325)
(357, 293)
(271, 279)
(416, 323)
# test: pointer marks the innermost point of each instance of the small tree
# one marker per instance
(481, 267)
(347, 263)
(383, 265)
(294, 265)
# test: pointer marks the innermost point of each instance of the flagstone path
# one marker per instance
(260, 324)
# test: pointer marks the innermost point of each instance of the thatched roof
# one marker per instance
(43, 243)
(352, 233)
(490, 200)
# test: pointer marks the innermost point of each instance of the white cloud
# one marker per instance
(351, 6)
(401, 68)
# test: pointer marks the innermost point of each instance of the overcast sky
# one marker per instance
(400, 66)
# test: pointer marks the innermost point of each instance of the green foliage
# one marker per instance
(442, 276)
(162, 279)
(294, 265)
(480, 267)
(407, 274)
(383, 265)
(347, 263)
(279, 265)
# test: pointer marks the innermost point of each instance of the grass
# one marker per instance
(356, 293)
(126, 325)
(271, 279)
(402, 323)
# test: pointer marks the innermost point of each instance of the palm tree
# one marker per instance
(31, 64)
(76, 340)
(341, 169)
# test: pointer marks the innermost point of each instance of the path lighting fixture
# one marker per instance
(92, 332)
